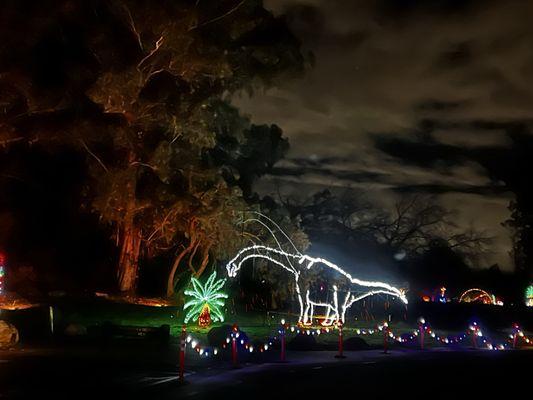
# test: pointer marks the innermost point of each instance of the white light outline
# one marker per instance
(333, 315)
(294, 270)
(483, 293)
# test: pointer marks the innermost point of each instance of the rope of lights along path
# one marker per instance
(474, 332)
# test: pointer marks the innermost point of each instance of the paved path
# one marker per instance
(438, 373)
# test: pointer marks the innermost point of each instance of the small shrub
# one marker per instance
(217, 335)
(356, 343)
(303, 343)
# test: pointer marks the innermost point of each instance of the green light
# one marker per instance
(209, 294)
(529, 296)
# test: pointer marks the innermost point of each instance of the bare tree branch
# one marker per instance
(94, 155)
(219, 17)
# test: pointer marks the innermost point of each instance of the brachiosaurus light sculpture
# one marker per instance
(298, 265)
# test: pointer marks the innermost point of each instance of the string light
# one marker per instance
(402, 338)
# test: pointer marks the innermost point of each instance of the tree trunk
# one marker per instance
(177, 261)
(130, 241)
(205, 261)
(128, 264)
(194, 242)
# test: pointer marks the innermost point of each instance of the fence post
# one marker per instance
(385, 338)
(421, 331)
(282, 333)
(234, 336)
(341, 344)
(182, 352)
(474, 330)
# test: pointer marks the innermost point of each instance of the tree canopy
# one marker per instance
(142, 90)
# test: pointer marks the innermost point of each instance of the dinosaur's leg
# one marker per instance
(333, 316)
(300, 302)
(335, 306)
(307, 307)
(326, 321)
(306, 314)
(348, 301)
(301, 305)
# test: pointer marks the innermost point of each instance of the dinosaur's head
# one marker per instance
(232, 269)
(233, 266)
(403, 296)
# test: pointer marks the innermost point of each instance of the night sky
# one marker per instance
(454, 75)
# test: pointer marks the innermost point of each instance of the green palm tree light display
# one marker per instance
(529, 296)
(207, 301)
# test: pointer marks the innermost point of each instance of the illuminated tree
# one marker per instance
(193, 55)
(138, 88)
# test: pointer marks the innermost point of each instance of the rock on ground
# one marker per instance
(9, 335)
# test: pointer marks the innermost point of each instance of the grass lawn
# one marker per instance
(258, 326)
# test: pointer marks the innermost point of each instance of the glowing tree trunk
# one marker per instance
(129, 258)
(130, 245)
(129, 234)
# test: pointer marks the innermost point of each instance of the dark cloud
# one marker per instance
(457, 55)
(407, 96)
(425, 153)
(440, 189)
(350, 176)
(395, 9)
(434, 105)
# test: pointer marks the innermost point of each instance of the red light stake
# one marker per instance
(421, 329)
(341, 344)
(234, 334)
(182, 353)
(282, 333)
(2, 272)
(474, 335)
(385, 338)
